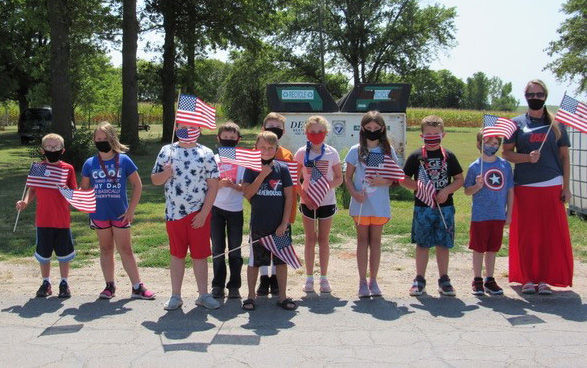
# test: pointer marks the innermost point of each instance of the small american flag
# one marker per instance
(293, 170)
(193, 111)
(572, 113)
(43, 175)
(321, 165)
(188, 135)
(281, 247)
(494, 126)
(250, 159)
(317, 188)
(83, 200)
(426, 190)
(379, 164)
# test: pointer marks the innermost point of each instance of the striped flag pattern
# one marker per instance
(426, 190)
(281, 247)
(43, 175)
(293, 170)
(193, 111)
(321, 165)
(494, 126)
(83, 200)
(572, 113)
(317, 188)
(190, 135)
(379, 164)
(250, 159)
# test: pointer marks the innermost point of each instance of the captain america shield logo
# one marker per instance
(494, 179)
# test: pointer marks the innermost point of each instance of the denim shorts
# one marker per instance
(428, 227)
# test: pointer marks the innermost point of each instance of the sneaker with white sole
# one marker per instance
(477, 286)
(173, 303)
(445, 287)
(207, 301)
(309, 286)
(142, 293)
(529, 288)
(491, 286)
(325, 286)
(418, 286)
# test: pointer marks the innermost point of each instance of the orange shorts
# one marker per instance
(370, 220)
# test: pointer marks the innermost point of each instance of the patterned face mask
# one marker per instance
(431, 140)
(188, 135)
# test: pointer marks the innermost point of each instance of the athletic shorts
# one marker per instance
(106, 224)
(486, 236)
(322, 212)
(370, 220)
(428, 226)
(261, 256)
(183, 236)
(51, 239)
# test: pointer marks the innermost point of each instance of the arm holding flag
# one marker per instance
(27, 198)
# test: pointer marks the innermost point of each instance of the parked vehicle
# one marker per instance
(34, 123)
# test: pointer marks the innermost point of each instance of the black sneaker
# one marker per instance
(64, 291)
(444, 286)
(491, 286)
(274, 285)
(45, 290)
(109, 291)
(477, 286)
(218, 292)
(263, 289)
(418, 287)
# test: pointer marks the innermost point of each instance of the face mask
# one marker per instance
(278, 131)
(266, 162)
(103, 146)
(535, 103)
(431, 140)
(188, 135)
(53, 156)
(373, 135)
(228, 142)
(316, 138)
(490, 150)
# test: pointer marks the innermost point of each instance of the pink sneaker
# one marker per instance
(142, 293)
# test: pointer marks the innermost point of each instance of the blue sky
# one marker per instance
(502, 38)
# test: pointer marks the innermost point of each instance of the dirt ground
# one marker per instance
(395, 276)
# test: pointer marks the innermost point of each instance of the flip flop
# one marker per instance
(249, 305)
(287, 304)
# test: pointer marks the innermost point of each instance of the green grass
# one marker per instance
(148, 231)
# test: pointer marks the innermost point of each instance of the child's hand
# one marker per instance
(359, 196)
(21, 205)
(376, 181)
(168, 170)
(442, 196)
(265, 170)
(307, 201)
(199, 220)
(479, 181)
(281, 229)
(128, 216)
(224, 182)
(508, 220)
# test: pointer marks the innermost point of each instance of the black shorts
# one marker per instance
(261, 256)
(322, 212)
(50, 239)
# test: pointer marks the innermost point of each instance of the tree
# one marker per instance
(370, 38)
(149, 81)
(500, 95)
(571, 49)
(477, 92)
(130, 112)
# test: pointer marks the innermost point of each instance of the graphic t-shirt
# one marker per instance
(186, 190)
(528, 137)
(52, 207)
(325, 164)
(490, 202)
(440, 170)
(229, 199)
(268, 203)
(110, 187)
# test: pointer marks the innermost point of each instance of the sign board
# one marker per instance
(299, 97)
(578, 177)
(344, 131)
(384, 97)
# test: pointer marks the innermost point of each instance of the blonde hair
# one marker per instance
(319, 120)
(433, 121)
(548, 118)
(268, 137)
(111, 137)
(52, 136)
(274, 116)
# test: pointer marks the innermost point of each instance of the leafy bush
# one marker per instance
(80, 148)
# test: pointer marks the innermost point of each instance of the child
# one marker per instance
(107, 172)
(433, 226)
(190, 175)
(493, 197)
(370, 206)
(270, 192)
(275, 123)
(52, 219)
(317, 153)
(227, 217)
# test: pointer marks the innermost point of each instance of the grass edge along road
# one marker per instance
(149, 235)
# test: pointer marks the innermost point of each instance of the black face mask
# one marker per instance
(103, 146)
(53, 156)
(228, 142)
(535, 103)
(266, 162)
(278, 131)
(373, 136)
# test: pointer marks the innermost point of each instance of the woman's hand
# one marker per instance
(534, 156)
(565, 195)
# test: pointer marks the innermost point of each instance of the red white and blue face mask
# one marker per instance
(431, 141)
(188, 135)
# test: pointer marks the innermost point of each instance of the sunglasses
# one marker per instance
(535, 94)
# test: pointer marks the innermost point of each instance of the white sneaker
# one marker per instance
(207, 301)
(325, 286)
(309, 286)
(173, 303)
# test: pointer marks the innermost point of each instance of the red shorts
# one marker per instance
(486, 236)
(183, 236)
(106, 224)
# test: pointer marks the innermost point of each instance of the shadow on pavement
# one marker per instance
(322, 303)
(36, 307)
(380, 308)
(564, 303)
(268, 318)
(449, 307)
(99, 308)
(177, 324)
